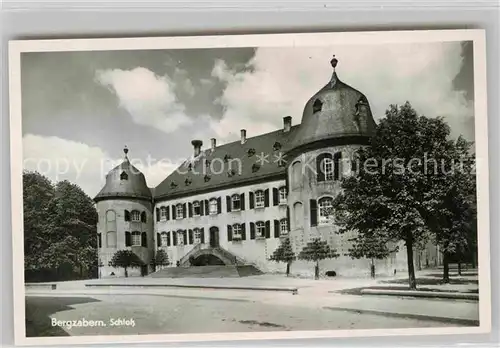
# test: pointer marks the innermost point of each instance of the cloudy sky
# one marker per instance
(81, 108)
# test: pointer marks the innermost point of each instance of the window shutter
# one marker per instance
(228, 203)
(168, 212)
(99, 240)
(207, 209)
(243, 231)
(157, 214)
(191, 240)
(288, 218)
(252, 200)
(320, 172)
(202, 207)
(252, 230)
(128, 241)
(190, 209)
(202, 235)
(229, 233)
(336, 165)
(144, 239)
(143, 217)
(174, 212)
(127, 215)
(185, 237)
(268, 229)
(184, 210)
(276, 198)
(168, 239)
(276, 228)
(242, 201)
(266, 198)
(158, 240)
(219, 205)
(314, 212)
(174, 238)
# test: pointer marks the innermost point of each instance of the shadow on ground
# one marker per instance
(357, 291)
(39, 309)
(431, 281)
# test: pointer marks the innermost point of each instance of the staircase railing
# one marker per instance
(235, 260)
(195, 249)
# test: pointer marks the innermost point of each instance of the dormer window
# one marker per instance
(251, 152)
(276, 146)
(123, 176)
(317, 106)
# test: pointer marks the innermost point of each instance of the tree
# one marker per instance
(391, 195)
(161, 258)
(125, 259)
(317, 250)
(284, 253)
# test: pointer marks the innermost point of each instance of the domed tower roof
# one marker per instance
(124, 181)
(336, 111)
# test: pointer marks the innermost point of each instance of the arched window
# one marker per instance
(317, 106)
(136, 238)
(298, 215)
(296, 175)
(110, 215)
(236, 231)
(235, 202)
(261, 229)
(213, 206)
(259, 199)
(283, 227)
(164, 239)
(111, 239)
(135, 215)
(325, 210)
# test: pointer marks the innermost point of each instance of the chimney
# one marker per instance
(197, 147)
(243, 136)
(287, 123)
(214, 143)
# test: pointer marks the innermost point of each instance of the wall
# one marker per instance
(106, 253)
(253, 251)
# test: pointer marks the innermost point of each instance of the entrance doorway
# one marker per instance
(214, 237)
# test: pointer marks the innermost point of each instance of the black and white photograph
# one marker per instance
(250, 186)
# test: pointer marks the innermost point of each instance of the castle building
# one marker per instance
(232, 204)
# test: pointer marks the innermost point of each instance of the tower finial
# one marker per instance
(125, 150)
(334, 61)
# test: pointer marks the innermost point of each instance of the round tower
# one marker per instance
(336, 122)
(125, 210)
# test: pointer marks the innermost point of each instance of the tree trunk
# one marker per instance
(288, 269)
(126, 273)
(446, 268)
(419, 260)
(372, 270)
(316, 270)
(412, 283)
(459, 268)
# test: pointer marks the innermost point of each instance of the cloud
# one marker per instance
(87, 166)
(150, 99)
(279, 81)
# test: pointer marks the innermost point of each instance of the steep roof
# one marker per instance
(256, 159)
(125, 181)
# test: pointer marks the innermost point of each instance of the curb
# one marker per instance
(458, 321)
(40, 286)
(427, 294)
(294, 291)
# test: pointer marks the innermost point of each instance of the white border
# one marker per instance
(261, 40)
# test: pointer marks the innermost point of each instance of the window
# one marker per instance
(261, 229)
(164, 239)
(282, 195)
(328, 168)
(298, 215)
(325, 210)
(111, 239)
(296, 175)
(123, 176)
(197, 235)
(196, 208)
(180, 237)
(213, 207)
(163, 213)
(136, 238)
(179, 211)
(259, 199)
(283, 227)
(110, 215)
(236, 231)
(317, 106)
(135, 215)
(235, 202)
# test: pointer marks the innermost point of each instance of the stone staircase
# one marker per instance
(230, 271)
